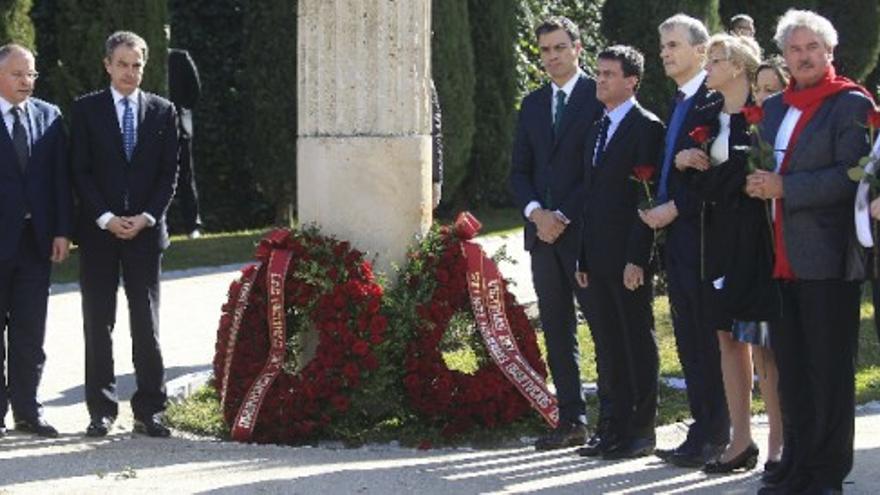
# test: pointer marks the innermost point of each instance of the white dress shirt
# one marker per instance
(616, 115)
(9, 120)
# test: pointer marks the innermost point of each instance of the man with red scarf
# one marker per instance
(816, 127)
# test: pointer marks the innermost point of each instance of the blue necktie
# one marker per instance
(128, 137)
(682, 106)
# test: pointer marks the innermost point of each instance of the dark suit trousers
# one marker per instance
(697, 343)
(99, 279)
(556, 290)
(624, 321)
(186, 191)
(24, 295)
(815, 350)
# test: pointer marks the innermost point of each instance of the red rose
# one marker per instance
(351, 372)
(339, 301)
(753, 114)
(360, 348)
(340, 402)
(370, 362)
(700, 134)
(373, 306)
(874, 118)
(411, 382)
(643, 172)
(378, 324)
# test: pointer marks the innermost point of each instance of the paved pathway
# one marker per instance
(123, 463)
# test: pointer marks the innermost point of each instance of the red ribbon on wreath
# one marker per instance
(486, 290)
(241, 298)
(277, 250)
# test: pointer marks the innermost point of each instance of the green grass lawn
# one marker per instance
(208, 250)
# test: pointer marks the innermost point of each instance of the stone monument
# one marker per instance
(364, 144)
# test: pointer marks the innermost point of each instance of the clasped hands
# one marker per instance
(633, 277)
(764, 185)
(127, 228)
(549, 223)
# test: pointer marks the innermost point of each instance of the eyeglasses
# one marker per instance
(25, 75)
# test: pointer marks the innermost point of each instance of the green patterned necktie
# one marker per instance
(560, 111)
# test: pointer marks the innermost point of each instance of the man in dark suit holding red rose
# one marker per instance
(614, 266)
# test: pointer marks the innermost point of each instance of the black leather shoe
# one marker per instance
(745, 460)
(565, 435)
(776, 475)
(38, 427)
(665, 454)
(152, 427)
(630, 448)
(794, 483)
(99, 427)
(686, 459)
(596, 444)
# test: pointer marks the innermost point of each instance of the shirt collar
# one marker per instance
(568, 87)
(621, 110)
(5, 106)
(134, 97)
(691, 87)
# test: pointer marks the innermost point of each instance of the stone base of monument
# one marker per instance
(367, 190)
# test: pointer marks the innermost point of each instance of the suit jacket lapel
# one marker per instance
(620, 133)
(545, 117)
(111, 122)
(772, 120)
(143, 101)
(36, 122)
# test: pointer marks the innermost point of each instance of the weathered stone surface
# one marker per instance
(374, 191)
(363, 157)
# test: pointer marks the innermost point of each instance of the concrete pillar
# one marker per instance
(364, 147)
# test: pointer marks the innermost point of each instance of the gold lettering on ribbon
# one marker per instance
(486, 291)
(237, 317)
(246, 419)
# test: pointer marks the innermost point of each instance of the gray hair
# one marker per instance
(796, 19)
(8, 49)
(697, 32)
(128, 39)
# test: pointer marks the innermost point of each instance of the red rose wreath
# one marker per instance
(309, 294)
(448, 275)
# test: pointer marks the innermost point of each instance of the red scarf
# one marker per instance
(808, 101)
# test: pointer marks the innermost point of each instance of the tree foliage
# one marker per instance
(269, 84)
(494, 36)
(70, 42)
(212, 31)
(15, 23)
(452, 67)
